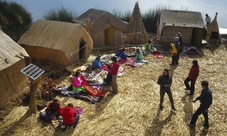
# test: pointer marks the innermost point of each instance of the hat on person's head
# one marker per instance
(179, 33)
(176, 38)
(204, 83)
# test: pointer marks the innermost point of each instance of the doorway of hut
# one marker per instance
(197, 36)
(109, 36)
(82, 49)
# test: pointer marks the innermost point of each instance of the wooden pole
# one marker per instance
(33, 101)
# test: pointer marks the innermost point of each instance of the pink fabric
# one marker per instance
(78, 81)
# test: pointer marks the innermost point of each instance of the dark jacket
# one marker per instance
(205, 98)
(164, 80)
(52, 108)
(194, 72)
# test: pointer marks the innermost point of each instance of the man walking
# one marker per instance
(205, 100)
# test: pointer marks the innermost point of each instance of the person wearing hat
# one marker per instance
(205, 99)
(179, 35)
(192, 76)
(207, 19)
(175, 57)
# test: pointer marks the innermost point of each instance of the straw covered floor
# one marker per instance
(135, 109)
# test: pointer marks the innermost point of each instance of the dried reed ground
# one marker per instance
(134, 110)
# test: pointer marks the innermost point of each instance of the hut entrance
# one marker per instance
(109, 36)
(197, 35)
(214, 35)
(82, 50)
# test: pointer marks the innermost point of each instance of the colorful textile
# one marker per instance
(94, 91)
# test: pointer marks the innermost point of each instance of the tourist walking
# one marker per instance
(205, 102)
(165, 82)
(192, 76)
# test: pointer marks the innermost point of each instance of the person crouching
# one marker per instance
(70, 117)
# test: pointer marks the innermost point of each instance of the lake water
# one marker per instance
(38, 8)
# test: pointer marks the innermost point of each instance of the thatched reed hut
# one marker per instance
(189, 23)
(137, 32)
(58, 42)
(13, 58)
(212, 33)
(106, 29)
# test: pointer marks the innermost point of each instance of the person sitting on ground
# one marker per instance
(78, 81)
(97, 63)
(52, 110)
(138, 55)
(149, 47)
(70, 117)
(121, 53)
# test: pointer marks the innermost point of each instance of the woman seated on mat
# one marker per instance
(97, 63)
(121, 53)
(70, 117)
(138, 55)
(52, 110)
(78, 81)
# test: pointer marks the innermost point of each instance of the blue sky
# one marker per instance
(38, 8)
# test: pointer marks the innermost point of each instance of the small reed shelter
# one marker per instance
(13, 58)
(58, 42)
(189, 23)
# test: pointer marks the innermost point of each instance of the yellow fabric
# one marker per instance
(173, 49)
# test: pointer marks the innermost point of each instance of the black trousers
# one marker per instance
(162, 94)
(200, 110)
(192, 87)
(175, 59)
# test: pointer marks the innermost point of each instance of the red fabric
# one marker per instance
(68, 116)
(194, 72)
(94, 91)
(114, 69)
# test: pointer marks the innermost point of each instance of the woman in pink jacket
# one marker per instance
(78, 81)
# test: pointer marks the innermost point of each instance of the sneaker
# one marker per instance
(64, 129)
(206, 127)
(191, 125)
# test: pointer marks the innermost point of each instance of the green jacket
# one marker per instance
(149, 47)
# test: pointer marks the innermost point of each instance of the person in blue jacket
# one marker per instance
(205, 102)
(97, 63)
(121, 53)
